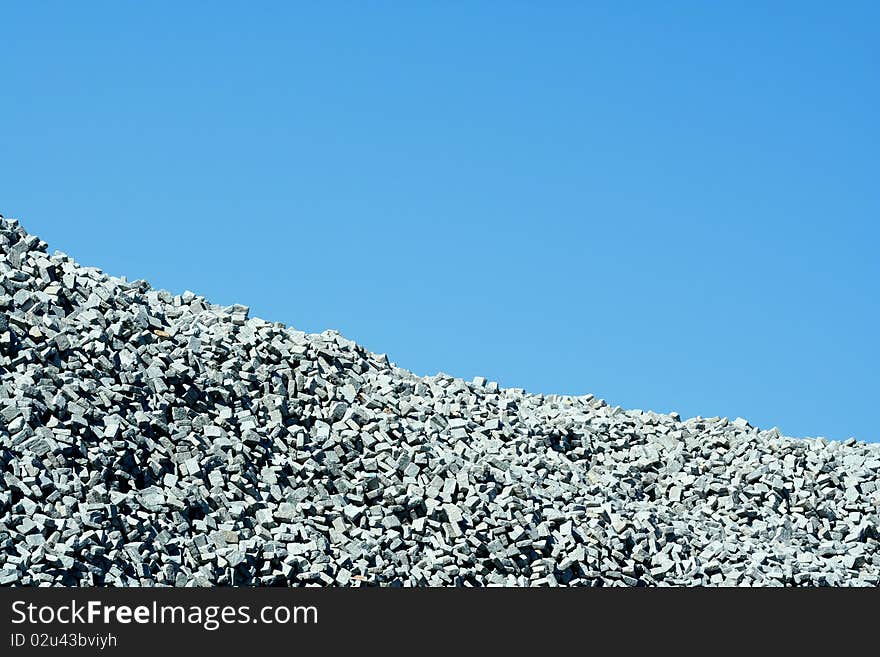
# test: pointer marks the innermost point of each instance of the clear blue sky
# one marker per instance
(671, 205)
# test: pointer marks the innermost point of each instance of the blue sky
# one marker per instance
(670, 205)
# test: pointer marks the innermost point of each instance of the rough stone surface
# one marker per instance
(153, 439)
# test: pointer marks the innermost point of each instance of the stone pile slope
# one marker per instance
(153, 439)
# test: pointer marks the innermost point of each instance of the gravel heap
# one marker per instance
(153, 439)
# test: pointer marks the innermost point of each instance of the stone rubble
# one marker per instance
(148, 439)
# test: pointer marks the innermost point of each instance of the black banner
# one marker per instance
(392, 621)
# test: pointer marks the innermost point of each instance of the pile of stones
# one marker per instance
(151, 439)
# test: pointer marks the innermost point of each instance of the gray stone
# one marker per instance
(154, 439)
